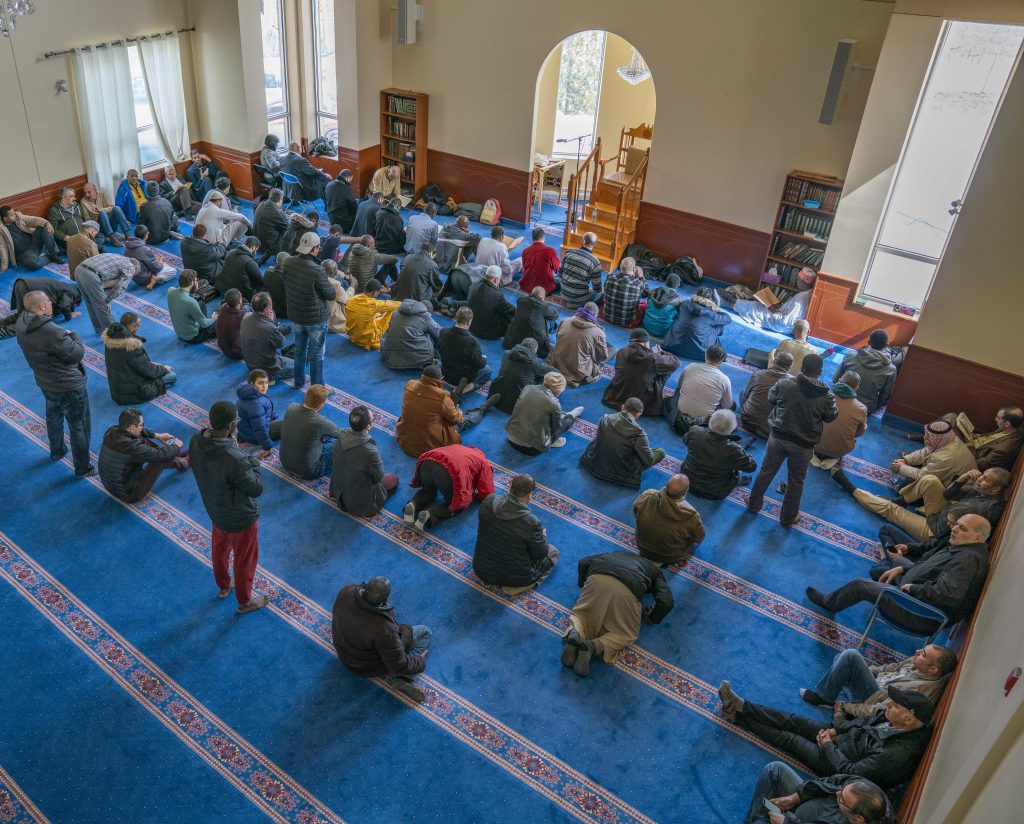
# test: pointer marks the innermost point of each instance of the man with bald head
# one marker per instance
(949, 575)
(668, 529)
(797, 346)
(371, 643)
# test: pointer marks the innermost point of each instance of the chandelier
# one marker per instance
(636, 72)
(10, 11)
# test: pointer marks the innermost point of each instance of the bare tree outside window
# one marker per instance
(579, 90)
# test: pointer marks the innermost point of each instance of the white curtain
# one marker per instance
(161, 66)
(106, 111)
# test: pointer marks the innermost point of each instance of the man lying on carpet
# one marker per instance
(839, 799)
(884, 747)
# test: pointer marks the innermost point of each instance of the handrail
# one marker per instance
(580, 188)
(629, 203)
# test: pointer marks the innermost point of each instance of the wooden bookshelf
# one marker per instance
(403, 130)
(801, 231)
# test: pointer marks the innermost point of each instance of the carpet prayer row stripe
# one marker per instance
(15, 806)
(266, 785)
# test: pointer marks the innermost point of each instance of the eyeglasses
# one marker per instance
(846, 808)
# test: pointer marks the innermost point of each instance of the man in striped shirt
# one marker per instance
(579, 269)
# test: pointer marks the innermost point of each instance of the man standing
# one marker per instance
(754, 406)
(309, 293)
(101, 280)
(668, 529)
(877, 373)
(359, 484)
(55, 356)
(800, 408)
(132, 457)
(579, 275)
(512, 549)
(26, 240)
(341, 201)
(620, 452)
(229, 482)
(372, 644)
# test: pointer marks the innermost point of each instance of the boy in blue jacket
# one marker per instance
(257, 421)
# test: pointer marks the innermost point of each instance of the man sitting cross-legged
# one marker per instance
(458, 474)
(884, 747)
(538, 423)
(430, 417)
(714, 458)
(581, 348)
(368, 317)
(620, 452)
(703, 388)
(131, 460)
(463, 363)
(307, 437)
(668, 529)
(359, 484)
(838, 799)
(512, 549)
(520, 367)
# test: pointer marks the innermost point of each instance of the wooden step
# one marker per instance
(603, 225)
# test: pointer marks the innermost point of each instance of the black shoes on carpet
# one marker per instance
(731, 702)
(408, 689)
(815, 700)
(841, 478)
(577, 653)
(571, 648)
(817, 598)
(582, 665)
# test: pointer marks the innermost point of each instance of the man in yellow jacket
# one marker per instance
(368, 317)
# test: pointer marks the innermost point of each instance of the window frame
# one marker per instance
(569, 150)
(285, 115)
(319, 113)
(133, 50)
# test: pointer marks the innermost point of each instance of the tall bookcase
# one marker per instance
(403, 136)
(802, 228)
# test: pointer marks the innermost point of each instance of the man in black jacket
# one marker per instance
(55, 356)
(131, 375)
(64, 297)
(269, 224)
(491, 312)
(262, 338)
(949, 575)
(884, 747)
(309, 293)
(606, 617)
(359, 484)
(341, 201)
(620, 452)
(131, 461)
(520, 367)
(312, 180)
(157, 215)
(389, 236)
(512, 549)
(229, 482)
(371, 643)
(204, 258)
(241, 271)
(462, 361)
(419, 278)
(273, 282)
(714, 457)
(801, 406)
(366, 215)
(838, 799)
(754, 406)
(533, 318)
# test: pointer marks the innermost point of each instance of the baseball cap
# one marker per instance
(91, 224)
(920, 705)
(309, 241)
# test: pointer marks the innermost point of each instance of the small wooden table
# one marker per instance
(548, 176)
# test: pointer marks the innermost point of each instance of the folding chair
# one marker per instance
(292, 189)
(895, 597)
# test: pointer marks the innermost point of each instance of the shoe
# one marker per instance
(408, 689)
(59, 457)
(582, 664)
(744, 480)
(117, 241)
(558, 444)
(458, 391)
(812, 698)
(794, 522)
(422, 520)
(224, 592)
(571, 648)
(731, 702)
(781, 488)
(577, 411)
(59, 259)
(817, 598)
(87, 474)
(815, 461)
(409, 513)
(256, 603)
(840, 478)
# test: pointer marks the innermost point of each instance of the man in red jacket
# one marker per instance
(371, 643)
(540, 262)
(458, 473)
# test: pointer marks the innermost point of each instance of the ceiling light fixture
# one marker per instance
(10, 11)
(636, 72)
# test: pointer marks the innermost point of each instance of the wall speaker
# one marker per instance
(842, 64)
(410, 13)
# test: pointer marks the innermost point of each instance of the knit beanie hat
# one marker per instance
(583, 313)
(152, 189)
(555, 381)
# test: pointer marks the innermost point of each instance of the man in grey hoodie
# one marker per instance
(876, 370)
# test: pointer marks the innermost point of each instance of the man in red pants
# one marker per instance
(230, 482)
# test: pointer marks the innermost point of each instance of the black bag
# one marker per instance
(757, 358)
(205, 292)
(323, 147)
(652, 265)
(687, 270)
(432, 193)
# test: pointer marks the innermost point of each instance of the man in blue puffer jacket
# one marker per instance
(257, 421)
(699, 325)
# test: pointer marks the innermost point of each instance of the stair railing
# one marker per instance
(581, 186)
(628, 208)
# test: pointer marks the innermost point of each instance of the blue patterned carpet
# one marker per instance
(131, 693)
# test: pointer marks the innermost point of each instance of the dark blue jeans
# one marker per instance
(74, 407)
(776, 780)
(40, 251)
(114, 222)
(850, 672)
(311, 342)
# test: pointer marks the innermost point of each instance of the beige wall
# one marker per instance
(545, 102)
(376, 31)
(1002, 11)
(740, 87)
(40, 139)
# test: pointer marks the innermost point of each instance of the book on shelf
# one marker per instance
(402, 105)
(795, 220)
(399, 128)
(797, 191)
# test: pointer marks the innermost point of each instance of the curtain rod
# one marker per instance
(48, 55)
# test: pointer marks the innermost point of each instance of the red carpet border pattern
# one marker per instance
(15, 806)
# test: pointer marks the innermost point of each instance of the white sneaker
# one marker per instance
(577, 412)
(409, 513)
(558, 444)
(815, 461)
(422, 520)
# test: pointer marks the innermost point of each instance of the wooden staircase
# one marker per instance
(605, 199)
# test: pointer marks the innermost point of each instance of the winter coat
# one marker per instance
(341, 204)
(229, 481)
(65, 221)
(158, 216)
(535, 416)
(63, 296)
(80, 248)
(368, 318)
(580, 350)
(619, 452)
(460, 353)
(519, 368)
(900, 674)
(368, 639)
(27, 224)
(241, 272)
(298, 225)
(418, 278)
(132, 376)
(530, 321)
(754, 406)
(273, 284)
(540, 262)
(261, 341)
(207, 259)
(666, 530)
(511, 545)
(639, 575)
(469, 470)
(53, 353)
(308, 290)
(410, 339)
(187, 317)
(365, 220)
(699, 326)
(429, 417)
(948, 577)
(801, 406)
(229, 331)
(361, 263)
(269, 223)
(311, 179)
(388, 232)
(877, 376)
(640, 372)
(839, 436)
(448, 253)
(714, 462)
(947, 463)
(356, 478)
(125, 200)
(122, 457)
(871, 748)
(662, 311)
(491, 312)
(998, 452)
(255, 412)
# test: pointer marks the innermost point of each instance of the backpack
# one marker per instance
(322, 147)
(687, 270)
(491, 212)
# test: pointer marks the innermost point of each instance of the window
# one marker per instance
(579, 92)
(149, 146)
(275, 78)
(326, 77)
(970, 70)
